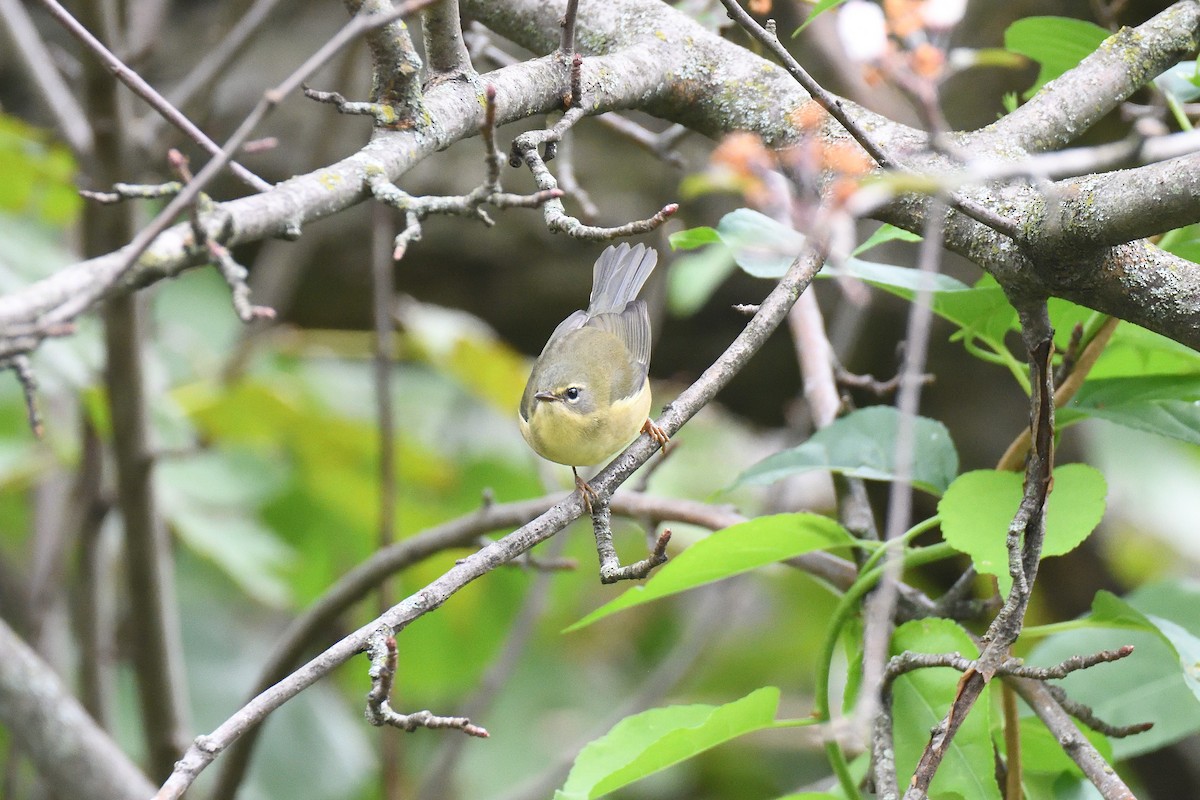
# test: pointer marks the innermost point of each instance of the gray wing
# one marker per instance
(618, 276)
(632, 327)
(573, 322)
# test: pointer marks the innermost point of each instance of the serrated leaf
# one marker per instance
(979, 506)
(886, 233)
(1168, 405)
(921, 699)
(862, 444)
(728, 552)
(653, 740)
(1057, 44)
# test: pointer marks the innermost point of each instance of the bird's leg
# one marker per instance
(656, 433)
(585, 491)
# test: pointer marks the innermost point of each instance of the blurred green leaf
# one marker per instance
(761, 246)
(979, 506)
(862, 444)
(1186, 647)
(38, 174)
(904, 281)
(920, 701)
(1180, 81)
(1183, 242)
(693, 238)
(1168, 405)
(465, 348)
(728, 552)
(212, 500)
(693, 279)
(653, 740)
(1041, 751)
(886, 233)
(1057, 44)
(818, 9)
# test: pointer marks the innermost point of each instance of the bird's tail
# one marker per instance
(618, 276)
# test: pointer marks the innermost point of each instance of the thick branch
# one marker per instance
(1068, 106)
(722, 88)
(1118, 207)
(66, 745)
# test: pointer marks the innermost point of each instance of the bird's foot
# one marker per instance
(586, 492)
(656, 433)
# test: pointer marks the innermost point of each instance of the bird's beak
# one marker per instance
(545, 396)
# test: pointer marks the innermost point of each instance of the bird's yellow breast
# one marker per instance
(560, 434)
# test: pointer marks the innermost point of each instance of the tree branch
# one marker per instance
(1126, 61)
(56, 732)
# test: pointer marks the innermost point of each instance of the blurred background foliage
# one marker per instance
(269, 449)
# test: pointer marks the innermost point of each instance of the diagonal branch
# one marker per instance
(771, 313)
(147, 92)
(1065, 108)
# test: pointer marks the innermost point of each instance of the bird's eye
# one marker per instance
(572, 393)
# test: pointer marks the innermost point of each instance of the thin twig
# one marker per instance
(881, 606)
(382, 650)
(113, 272)
(833, 104)
(39, 64)
(567, 43)
(217, 59)
(1025, 537)
(144, 90)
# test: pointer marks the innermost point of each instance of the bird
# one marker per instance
(588, 393)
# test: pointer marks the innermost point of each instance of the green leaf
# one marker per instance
(1110, 611)
(1136, 352)
(761, 246)
(728, 552)
(653, 740)
(1058, 44)
(1168, 405)
(921, 699)
(1186, 647)
(981, 312)
(902, 281)
(1158, 683)
(1042, 753)
(1180, 82)
(817, 10)
(694, 277)
(693, 238)
(38, 174)
(886, 233)
(1183, 242)
(979, 506)
(862, 444)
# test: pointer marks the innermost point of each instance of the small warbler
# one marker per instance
(589, 392)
